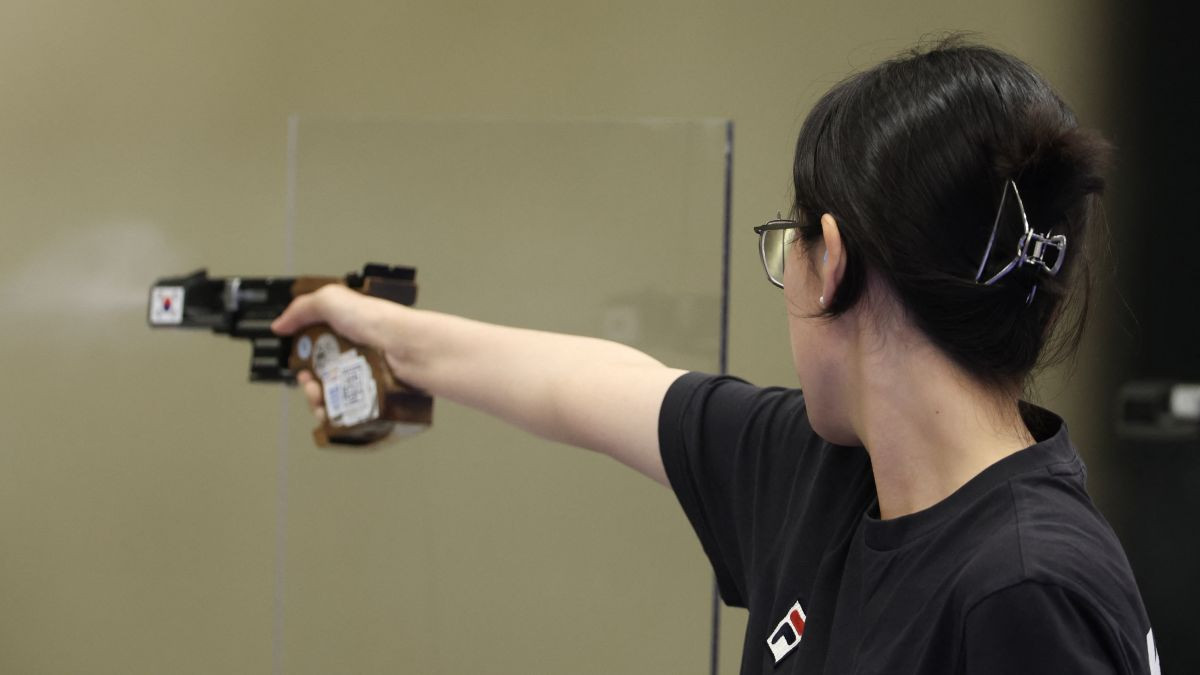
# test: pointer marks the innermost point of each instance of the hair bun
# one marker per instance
(1056, 165)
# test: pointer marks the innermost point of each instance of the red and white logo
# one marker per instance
(787, 634)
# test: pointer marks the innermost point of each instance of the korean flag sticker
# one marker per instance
(166, 305)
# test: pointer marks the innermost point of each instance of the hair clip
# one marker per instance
(1031, 248)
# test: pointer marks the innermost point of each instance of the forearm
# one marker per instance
(587, 392)
(584, 391)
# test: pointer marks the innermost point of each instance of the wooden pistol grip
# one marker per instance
(395, 408)
(358, 412)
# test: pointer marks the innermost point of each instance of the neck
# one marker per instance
(927, 427)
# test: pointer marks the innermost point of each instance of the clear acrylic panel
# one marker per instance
(474, 547)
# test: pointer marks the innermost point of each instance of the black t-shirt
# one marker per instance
(1016, 572)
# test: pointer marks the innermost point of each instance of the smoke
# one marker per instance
(88, 273)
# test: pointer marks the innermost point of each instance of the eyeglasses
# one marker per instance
(773, 238)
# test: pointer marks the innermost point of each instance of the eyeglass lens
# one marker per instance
(772, 248)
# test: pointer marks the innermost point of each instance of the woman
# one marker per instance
(906, 513)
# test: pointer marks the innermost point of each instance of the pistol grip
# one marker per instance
(363, 400)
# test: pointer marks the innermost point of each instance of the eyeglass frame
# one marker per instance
(761, 231)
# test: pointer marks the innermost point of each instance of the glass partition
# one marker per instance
(474, 547)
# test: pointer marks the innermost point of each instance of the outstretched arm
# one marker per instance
(583, 391)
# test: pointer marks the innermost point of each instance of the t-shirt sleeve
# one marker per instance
(1032, 628)
(741, 459)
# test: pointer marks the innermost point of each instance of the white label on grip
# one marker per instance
(350, 394)
(324, 351)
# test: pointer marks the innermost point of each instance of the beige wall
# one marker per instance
(156, 131)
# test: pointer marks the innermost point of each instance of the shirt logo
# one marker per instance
(787, 634)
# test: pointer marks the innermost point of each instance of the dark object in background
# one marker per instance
(1155, 477)
(1159, 456)
(364, 402)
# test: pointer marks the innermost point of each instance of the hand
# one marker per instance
(350, 314)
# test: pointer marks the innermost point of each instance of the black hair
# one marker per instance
(912, 158)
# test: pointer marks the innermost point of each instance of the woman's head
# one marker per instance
(911, 159)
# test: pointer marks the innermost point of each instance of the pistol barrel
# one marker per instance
(244, 307)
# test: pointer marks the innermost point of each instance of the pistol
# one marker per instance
(364, 402)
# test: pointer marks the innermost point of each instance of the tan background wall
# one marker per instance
(132, 130)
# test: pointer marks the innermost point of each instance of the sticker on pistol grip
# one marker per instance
(324, 351)
(350, 393)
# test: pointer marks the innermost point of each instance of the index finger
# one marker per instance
(350, 313)
(301, 312)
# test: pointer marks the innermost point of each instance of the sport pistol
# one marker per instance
(363, 400)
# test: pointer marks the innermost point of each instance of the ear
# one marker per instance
(833, 259)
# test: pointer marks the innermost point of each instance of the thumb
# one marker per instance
(303, 311)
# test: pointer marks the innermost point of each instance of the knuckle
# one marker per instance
(331, 290)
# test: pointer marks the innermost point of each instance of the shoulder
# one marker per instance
(732, 400)
(1053, 536)
(1050, 574)
(744, 431)
(744, 463)
(1029, 518)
